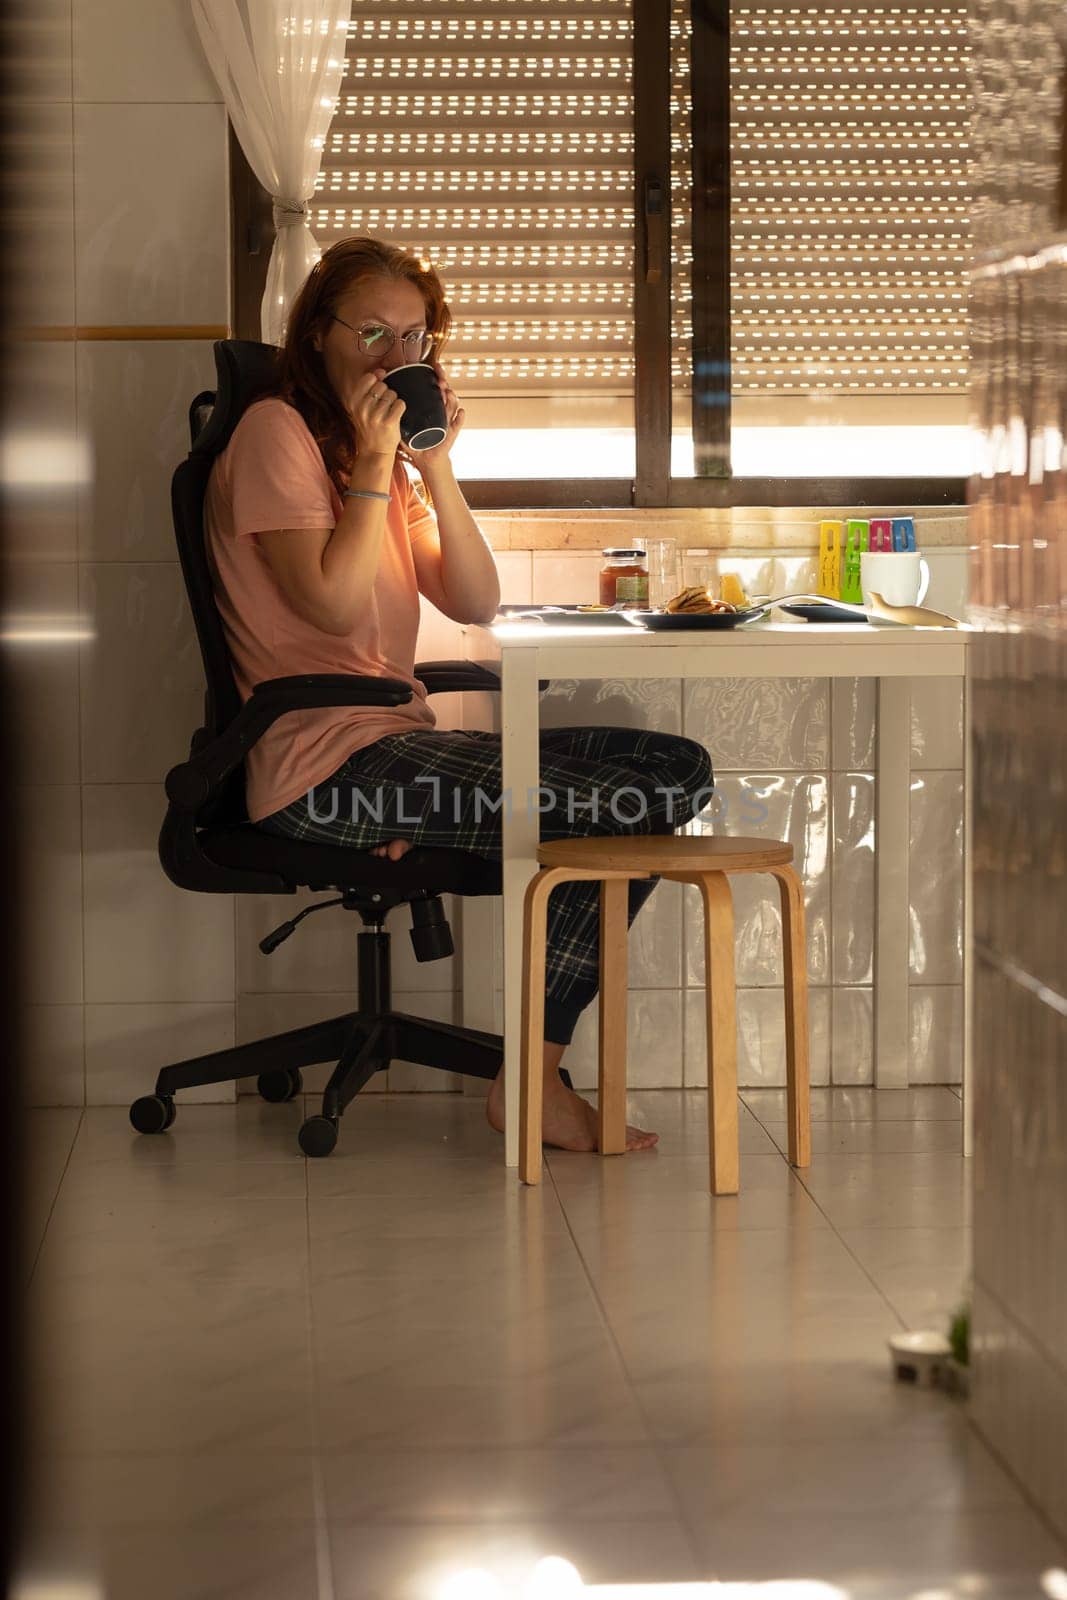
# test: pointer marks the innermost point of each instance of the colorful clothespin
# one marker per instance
(830, 560)
(903, 533)
(855, 544)
(881, 534)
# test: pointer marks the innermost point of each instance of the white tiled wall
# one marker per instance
(125, 51)
(127, 971)
(124, 511)
(150, 234)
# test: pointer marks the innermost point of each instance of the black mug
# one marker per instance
(424, 422)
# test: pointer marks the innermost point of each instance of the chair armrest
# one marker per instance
(193, 782)
(456, 677)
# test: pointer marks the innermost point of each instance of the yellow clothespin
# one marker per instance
(830, 560)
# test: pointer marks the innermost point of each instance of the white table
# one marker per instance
(527, 651)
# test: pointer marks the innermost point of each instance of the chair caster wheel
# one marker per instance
(281, 1085)
(153, 1113)
(318, 1135)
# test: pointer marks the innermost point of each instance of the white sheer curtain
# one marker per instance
(279, 65)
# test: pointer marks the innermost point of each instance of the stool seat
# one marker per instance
(663, 853)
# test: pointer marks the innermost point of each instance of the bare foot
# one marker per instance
(567, 1121)
(393, 848)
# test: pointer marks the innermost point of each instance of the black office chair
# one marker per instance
(208, 844)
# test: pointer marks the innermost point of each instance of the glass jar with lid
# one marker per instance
(624, 579)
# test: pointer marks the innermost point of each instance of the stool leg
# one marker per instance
(611, 1059)
(720, 998)
(796, 1016)
(531, 1072)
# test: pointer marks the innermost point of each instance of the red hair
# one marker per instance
(302, 379)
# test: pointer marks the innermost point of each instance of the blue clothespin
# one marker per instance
(903, 533)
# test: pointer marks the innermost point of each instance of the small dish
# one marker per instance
(599, 619)
(563, 615)
(825, 612)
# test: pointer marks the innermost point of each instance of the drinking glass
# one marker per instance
(663, 570)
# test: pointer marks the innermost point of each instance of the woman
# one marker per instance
(320, 548)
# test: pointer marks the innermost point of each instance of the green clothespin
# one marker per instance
(856, 543)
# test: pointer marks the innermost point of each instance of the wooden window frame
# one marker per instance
(652, 485)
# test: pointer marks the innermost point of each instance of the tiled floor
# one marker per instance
(265, 1379)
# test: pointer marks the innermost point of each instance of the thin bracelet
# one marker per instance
(367, 494)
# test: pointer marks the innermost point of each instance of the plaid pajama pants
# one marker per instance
(444, 788)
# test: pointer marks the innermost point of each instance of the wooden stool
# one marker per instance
(705, 861)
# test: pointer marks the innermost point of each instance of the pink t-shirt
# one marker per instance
(271, 475)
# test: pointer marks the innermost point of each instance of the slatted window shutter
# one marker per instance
(849, 197)
(496, 138)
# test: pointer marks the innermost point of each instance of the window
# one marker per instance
(699, 251)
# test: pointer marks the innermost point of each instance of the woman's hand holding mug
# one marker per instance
(376, 412)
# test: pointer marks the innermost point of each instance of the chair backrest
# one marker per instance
(244, 370)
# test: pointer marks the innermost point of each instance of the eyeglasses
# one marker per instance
(376, 339)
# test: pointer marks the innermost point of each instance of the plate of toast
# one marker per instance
(695, 609)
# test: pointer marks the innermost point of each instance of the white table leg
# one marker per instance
(968, 925)
(892, 843)
(520, 830)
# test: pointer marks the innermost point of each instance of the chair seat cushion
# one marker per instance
(305, 864)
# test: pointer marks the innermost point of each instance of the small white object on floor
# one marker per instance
(919, 1357)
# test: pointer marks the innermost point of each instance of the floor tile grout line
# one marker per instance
(953, 1116)
(660, 1447)
(798, 1174)
(325, 1586)
(968, 1417)
(656, 1445)
(848, 1248)
(55, 1198)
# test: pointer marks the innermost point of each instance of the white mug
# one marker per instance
(901, 577)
